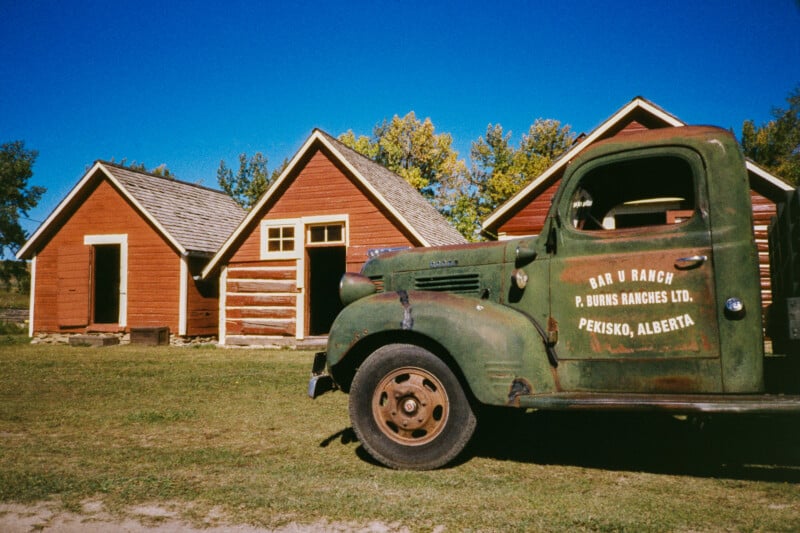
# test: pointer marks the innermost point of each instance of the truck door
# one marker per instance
(631, 277)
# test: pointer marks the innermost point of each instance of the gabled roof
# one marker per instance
(194, 219)
(639, 113)
(419, 215)
(397, 196)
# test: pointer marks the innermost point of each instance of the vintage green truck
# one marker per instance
(641, 293)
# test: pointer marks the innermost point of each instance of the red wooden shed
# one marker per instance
(280, 269)
(124, 249)
(524, 213)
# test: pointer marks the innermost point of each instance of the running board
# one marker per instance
(671, 403)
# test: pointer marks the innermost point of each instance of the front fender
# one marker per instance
(497, 349)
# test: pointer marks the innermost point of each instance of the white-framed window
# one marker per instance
(331, 233)
(281, 239)
(287, 238)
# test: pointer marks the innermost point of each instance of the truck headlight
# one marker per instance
(734, 308)
(520, 278)
(353, 287)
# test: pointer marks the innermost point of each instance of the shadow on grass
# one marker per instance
(736, 447)
(345, 436)
(348, 436)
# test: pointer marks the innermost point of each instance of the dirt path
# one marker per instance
(50, 517)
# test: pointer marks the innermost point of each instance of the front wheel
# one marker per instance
(409, 410)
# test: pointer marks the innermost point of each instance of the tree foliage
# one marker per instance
(428, 161)
(251, 180)
(411, 148)
(16, 199)
(160, 170)
(500, 170)
(776, 144)
(361, 144)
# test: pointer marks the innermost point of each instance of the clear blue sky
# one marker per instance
(188, 83)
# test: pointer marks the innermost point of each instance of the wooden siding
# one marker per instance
(202, 307)
(529, 220)
(153, 268)
(72, 286)
(763, 211)
(262, 296)
(320, 189)
(633, 127)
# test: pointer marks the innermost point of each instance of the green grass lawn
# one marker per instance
(233, 431)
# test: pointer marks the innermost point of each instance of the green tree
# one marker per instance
(250, 181)
(361, 144)
(494, 172)
(545, 141)
(499, 170)
(16, 199)
(160, 170)
(776, 144)
(427, 160)
(412, 148)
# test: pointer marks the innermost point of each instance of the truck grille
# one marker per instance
(461, 283)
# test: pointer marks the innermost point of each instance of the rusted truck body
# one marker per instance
(642, 292)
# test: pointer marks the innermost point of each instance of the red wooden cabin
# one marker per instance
(124, 249)
(280, 269)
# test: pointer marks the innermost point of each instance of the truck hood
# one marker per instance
(445, 257)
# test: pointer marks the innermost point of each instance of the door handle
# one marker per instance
(691, 261)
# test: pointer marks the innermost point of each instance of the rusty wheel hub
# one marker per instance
(410, 406)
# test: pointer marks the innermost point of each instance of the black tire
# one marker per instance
(409, 410)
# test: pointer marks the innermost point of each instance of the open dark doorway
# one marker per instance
(325, 268)
(106, 283)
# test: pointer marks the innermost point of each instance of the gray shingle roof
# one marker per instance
(196, 217)
(408, 202)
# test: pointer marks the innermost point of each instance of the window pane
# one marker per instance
(316, 234)
(651, 191)
(280, 239)
(335, 233)
(327, 233)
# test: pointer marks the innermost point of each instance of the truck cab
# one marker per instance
(653, 270)
(642, 292)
